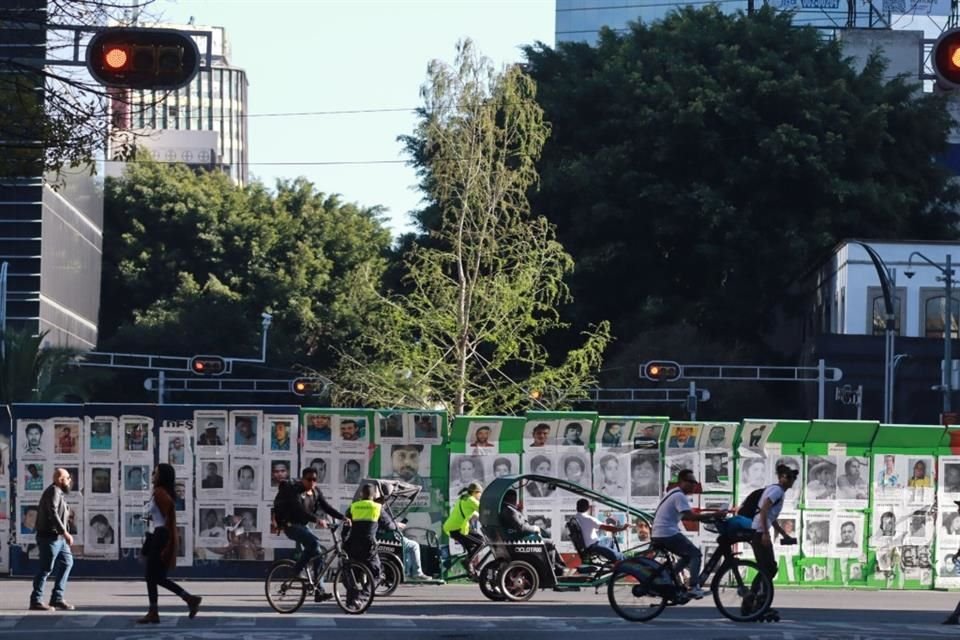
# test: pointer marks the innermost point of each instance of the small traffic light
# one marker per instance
(946, 59)
(306, 387)
(138, 58)
(661, 371)
(208, 365)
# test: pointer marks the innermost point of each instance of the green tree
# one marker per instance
(699, 164)
(483, 290)
(31, 372)
(192, 260)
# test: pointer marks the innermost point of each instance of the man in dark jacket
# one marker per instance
(511, 519)
(304, 503)
(53, 543)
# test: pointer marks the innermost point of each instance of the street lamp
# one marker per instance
(947, 279)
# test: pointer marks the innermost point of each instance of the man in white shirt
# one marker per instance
(674, 507)
(603, 546)
(770, 505)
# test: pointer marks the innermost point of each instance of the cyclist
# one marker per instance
(457, 525)
(770, 505)
(361, 543)
(603, 546)
(674, 507)
(296, 505)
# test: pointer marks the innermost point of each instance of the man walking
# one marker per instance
(53, 543)
(770, 505)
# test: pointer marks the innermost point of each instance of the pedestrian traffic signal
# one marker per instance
(946, 59)
(661, 371)
(208, 365)
(306, 387)
(163, 59)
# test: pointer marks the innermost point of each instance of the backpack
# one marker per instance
(285, 503)
(751, 506)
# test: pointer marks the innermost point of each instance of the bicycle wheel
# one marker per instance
(353, 587)
(631, 599)
(739, 597)
(285, 589)
(391, 575)
(489, 581)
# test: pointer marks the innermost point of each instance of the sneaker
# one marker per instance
(62, 606)
(420, 576)
(696, 593)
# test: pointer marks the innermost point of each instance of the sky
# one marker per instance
(351, 55)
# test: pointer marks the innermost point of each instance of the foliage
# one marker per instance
(484, 288)
(697, 165)
(30, 372)
(192, 260)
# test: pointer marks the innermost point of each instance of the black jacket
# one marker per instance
(52, 513)
(297, 512)
(512, 518)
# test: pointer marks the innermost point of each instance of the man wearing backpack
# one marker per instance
(765, 509)
(298, 504)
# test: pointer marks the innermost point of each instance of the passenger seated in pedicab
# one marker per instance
(603, 546)
(512, 520)
(411, 548)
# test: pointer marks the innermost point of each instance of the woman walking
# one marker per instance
(161, 549)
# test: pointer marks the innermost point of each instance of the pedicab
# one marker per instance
(521, 564)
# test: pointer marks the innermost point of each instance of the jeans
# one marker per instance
(689, 554)
(56, 558)
(156, 575)
(311, 546)
(411, 557)
(606, 549)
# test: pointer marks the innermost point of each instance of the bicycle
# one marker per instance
(353, 584)
(643, 586)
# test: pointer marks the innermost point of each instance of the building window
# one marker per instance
(933, 307)
(877, 311)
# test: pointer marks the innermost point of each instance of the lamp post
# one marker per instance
(886, 285)
(947, 279)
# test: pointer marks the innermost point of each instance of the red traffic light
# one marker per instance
(946, 59)
(661, 371)
(143, 58)
(208, 365)
(306, 387)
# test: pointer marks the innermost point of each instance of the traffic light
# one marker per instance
(306, 387)
(661, 370)
(946, 59)
(208, 365)
(163, 59)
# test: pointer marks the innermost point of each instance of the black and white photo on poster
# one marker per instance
(716, 501)
(501, 464)
(391, 427)
(789, 521)
(821, 488)
(323, 463)
(574, 467)
(210, 473)
(99, 439)
(465, 469)
(538, 434)
(101, 482)
(646, 435)
(483, 437)
(409, 462)
(718, 436)
(101, 537)
(920, 526)
(888, 525)
(674, 463)
(245, 431)
(352, 469)
(950, 525)
(754, 435)
(542, 464)
(848, 534)
(245, 476)
(33, 440)
(137, 434)
(610, 473)
(613, 434)
(852, 487)
(211, 432)
(175, 450)
(244, 534)
(211, 519)
(133, 526)
(185, 543)
(574, 433)
(645, 474)
(951, 475)
(817, 534)
(717, 471)
(752, 476)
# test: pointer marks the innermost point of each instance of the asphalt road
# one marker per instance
(238, 611)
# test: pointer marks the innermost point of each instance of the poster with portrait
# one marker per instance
(646, 435)
(281, 434)
(717, 436)
(543, 463)
(610, 473)
(244, 533)
(483, 438)
(920, 527)
(950, 474)
(244, 429)
(916, 563)
(350, 433)
(27, 520)
(500, 465)
(426, 428)
(352, 467)
(675, 463)
(211, 432)
(319, 432)
(34, 440)
(135, 482)
(752, 475)
(683, 435)
(99, 438)
(561, 538)
(716, 501)
(409, 462)
(539, 435)
(920, 489)
(795, 462)
(465, 469)
(753, 436)
(325, 465)
(575, 467)
(612, 434)
(136, 438)
(820, 490)
(210, 480)
(545, 518)
(645, 477)
(717, 468)
(67, 439)
(185, 543)
(575, 433)
(33, 476)
(391, 428)
(852, 488)
(890, 477)
(888, 525)
(211, 525)
(847, 529)
(278, 469)
(614, 518)
(245, 481)
(817, 531)
(183, 498)
(100, 480)
(133, 526)
(947, 569)
(175, 450)
(101, 538)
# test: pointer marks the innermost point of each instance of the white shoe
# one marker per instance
(696, 593)
(420, 576)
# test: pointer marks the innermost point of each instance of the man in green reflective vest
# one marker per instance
(361, 544)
